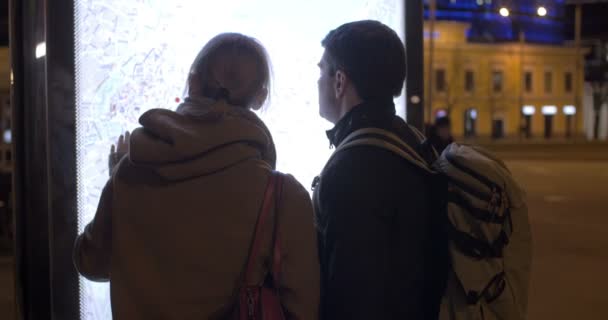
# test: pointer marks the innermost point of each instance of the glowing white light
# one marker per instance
(473, 114)
(12, 78)
(569, 110)
(541, 11)
(7, 136)
(528, 110)
(415, 99)
(549, 110)
(504, 12)
(441, 113)
(41, 50)
(480, 2)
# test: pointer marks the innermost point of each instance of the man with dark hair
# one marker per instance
(373, 208)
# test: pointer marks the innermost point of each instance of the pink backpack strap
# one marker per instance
(273, 190)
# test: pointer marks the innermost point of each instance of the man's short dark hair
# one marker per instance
(372, 56)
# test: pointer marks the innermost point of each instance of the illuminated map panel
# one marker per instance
(134, 55)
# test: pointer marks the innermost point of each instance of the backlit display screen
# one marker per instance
(134, 55)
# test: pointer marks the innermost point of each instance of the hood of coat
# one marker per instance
(202, 137)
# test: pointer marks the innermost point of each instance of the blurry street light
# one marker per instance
(542, 11)
(504, 12)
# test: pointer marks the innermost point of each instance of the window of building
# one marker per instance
(469, 81)
(548, 82)
(440, 80)
(528, 81)
(497, 81)
(568, 82)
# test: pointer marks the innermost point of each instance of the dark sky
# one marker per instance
(594, 21)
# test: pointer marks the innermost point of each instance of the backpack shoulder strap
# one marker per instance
(385, 140)
(417, 132)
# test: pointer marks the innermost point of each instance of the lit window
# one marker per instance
(549, 110)
(528, 110)
(569, 110)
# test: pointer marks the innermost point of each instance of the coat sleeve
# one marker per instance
(372, 250)
(300, 266)
(93, 249)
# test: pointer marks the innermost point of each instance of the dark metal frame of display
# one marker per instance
(43, 99)
(414, 46)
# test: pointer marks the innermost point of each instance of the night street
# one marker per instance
(568, 204)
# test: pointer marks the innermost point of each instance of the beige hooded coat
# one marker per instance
(175, 220)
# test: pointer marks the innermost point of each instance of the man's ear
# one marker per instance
(259, 99)
(340, 83)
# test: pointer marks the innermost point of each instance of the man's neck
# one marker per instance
(346, 106)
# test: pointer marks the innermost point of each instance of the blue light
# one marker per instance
(7, 136)
(473, 114)
(487, 25)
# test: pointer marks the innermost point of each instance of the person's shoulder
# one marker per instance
(293, 190)
(295, 200)
(290, 183)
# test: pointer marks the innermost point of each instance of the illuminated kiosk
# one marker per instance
(85, 70)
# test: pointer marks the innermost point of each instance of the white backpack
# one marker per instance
(488, 229)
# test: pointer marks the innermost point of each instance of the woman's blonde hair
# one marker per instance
(234, 67)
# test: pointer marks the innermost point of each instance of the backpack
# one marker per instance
(486, 220)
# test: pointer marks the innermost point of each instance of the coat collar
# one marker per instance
(376, 113)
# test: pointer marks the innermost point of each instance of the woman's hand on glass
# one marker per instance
(119, 150)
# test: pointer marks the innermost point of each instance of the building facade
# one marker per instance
(502, 89)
